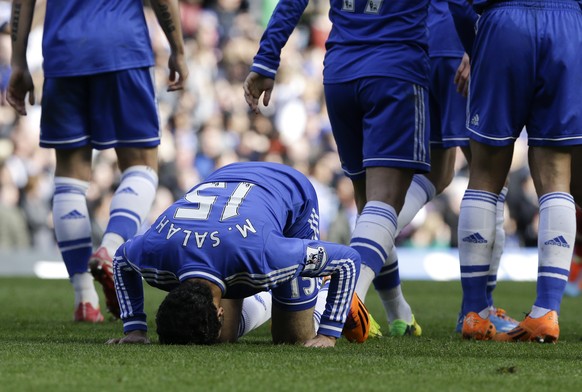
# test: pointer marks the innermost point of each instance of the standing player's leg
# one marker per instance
(498, 108)
(554, 130)
(448, 131)
(477, 234)
(379, 126)
(73, 227)
(550, 169)
(64, 127)
(127, 121)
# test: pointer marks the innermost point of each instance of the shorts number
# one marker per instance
(205, 203)
(307, 290)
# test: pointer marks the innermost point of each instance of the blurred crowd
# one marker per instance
(209, 125)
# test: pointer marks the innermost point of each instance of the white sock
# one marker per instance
(320, 304)
(365, 279)
(556, 238)
(476, 236)
(72, 223)
(396, 306)
(112, 241)
(537, 312)
(84, 289)
(387, 284)
(373, 238)
(420, 192)
(256, 311)
(132, 202)
(498, 245)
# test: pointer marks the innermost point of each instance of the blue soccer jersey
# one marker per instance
(249, 227)
(368, 38)
(443, 40)
(84, 37)
(465, 19)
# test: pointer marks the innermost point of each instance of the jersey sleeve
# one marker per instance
(282, 23)
(129, 288)
(342, 263)
(465, 19)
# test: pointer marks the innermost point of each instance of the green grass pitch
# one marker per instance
(41, 349)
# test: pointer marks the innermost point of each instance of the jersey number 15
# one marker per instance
(206, 202)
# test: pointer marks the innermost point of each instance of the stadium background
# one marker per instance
(209, 125)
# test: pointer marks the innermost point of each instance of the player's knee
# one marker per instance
(130, 156)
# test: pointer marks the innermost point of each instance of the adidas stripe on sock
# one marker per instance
(476, 236)
(556, 236)
(72, 223)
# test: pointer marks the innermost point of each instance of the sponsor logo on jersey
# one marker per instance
(475, 238)
(73, 215)
(558, 241)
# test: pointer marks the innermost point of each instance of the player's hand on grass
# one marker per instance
(321, 341)
(256, 85)
(178, 72)
(133, 337)
(19, 85)
(462, 76)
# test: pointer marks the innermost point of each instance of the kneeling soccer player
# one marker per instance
(249, 227)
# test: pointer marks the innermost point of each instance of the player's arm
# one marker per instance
(168, 16)
(342, 263)
(465, 19)
(129, 288)
(462, 76)
(266, 62)
(20, 82)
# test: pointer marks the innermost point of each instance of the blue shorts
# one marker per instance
(301, 292)
(527, 71)
(379, 121)
(447, 107)
(297, 294)
(114, 109)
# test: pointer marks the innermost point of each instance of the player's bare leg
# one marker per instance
(292, 327)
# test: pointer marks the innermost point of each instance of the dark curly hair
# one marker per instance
(188, 316)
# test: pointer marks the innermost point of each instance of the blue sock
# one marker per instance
(388, 278)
